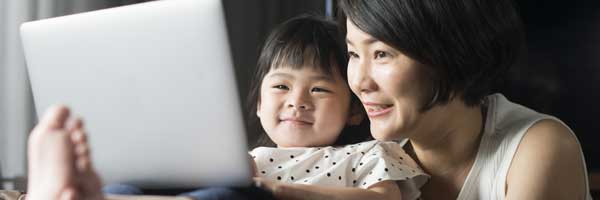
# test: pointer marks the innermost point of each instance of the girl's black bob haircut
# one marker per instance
(467, 45)
(303, 41)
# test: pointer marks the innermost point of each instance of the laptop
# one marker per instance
(156, 87)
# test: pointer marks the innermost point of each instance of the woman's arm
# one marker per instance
(547, 165)
(385, 190)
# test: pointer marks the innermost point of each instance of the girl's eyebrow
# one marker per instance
(322, 78)
(313, 78)
(281, 75)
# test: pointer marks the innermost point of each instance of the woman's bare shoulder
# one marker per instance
(547, 165)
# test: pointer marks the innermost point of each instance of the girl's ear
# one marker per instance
(357, 115)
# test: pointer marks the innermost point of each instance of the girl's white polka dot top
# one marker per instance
(358, 165)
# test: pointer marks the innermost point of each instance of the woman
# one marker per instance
(424, 69)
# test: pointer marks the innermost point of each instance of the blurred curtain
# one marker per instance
(17, 114)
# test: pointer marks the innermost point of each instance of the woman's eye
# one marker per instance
(380, 54)
(352, 54)
(281, 87)
(319, 90)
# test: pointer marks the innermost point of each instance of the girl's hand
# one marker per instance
(276, 188)
(286, 191)
(254, 168)
(271, 186)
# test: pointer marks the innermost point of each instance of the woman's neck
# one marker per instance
(446, 147)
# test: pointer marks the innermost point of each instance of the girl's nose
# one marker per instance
(299, 101)
(299, 106)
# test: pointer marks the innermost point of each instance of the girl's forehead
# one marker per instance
(305, 57)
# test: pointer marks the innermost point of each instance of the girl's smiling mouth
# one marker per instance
(297, 121)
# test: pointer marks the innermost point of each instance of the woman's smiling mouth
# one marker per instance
(377, 110)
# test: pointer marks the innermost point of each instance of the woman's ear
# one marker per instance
(258, 109)
(357, 115)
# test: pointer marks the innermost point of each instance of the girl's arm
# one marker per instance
(547, 165)
(385, 190)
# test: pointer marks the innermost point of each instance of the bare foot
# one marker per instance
(59, 162)
(88, 181)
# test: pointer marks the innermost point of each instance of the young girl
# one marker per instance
(310, 123)
(307, 111)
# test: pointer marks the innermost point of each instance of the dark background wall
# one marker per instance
(562, 74)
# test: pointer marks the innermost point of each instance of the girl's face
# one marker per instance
(388, 84)
(303, 107)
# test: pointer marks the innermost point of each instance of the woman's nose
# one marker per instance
(360, 78)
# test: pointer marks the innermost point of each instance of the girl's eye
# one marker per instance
(352, 54)
(281, 87)
(380, 54)
(319, 90)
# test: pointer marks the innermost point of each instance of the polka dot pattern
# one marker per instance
(359, 165)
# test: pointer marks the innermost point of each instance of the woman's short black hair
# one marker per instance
(467, 45)
(305, 40)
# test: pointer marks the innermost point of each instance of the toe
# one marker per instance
(54, 118)
(75, 124)
(78, 137)
(81, 150)
(83, 164)
(68, 194)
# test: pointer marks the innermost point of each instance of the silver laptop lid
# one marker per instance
(155, 85)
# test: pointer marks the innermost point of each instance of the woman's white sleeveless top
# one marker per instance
(505, 126)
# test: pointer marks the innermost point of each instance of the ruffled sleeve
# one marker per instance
(358, 165)
(387, 161)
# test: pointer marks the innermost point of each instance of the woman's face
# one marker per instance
(303, 107)
(388, 83)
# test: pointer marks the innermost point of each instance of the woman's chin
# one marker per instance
(384, 135)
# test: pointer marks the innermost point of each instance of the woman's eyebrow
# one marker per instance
(367, 41)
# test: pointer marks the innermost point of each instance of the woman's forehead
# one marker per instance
(356, 36)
